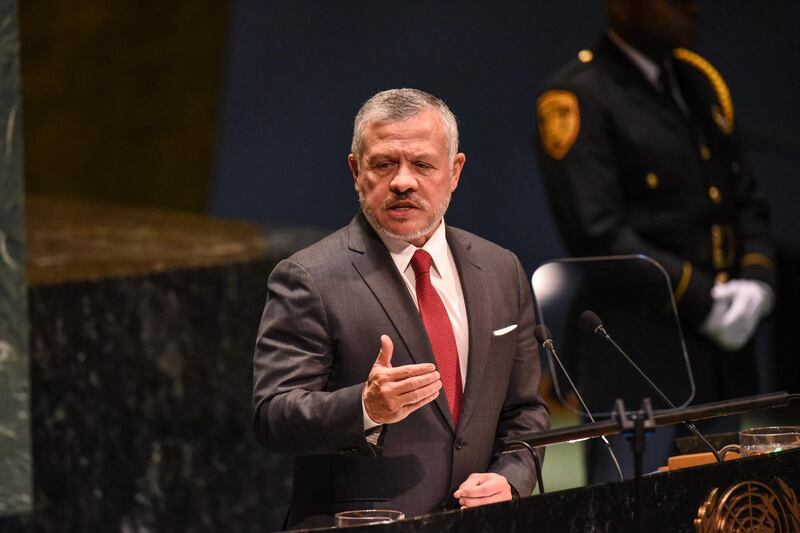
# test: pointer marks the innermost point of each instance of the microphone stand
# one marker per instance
(646, 420)
(542, 335)
(689, 425)
(592, 322)
(662, 417)
(635, 427)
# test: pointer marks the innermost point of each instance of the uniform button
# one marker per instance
(705, 153)
(652, 180)
(585, 56)
(459, 444)
(714, 194)
(735, 167)
(722, 277)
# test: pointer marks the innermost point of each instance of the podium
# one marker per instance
(748, 494)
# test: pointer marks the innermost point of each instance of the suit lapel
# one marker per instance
(476, 301)
(376, 268)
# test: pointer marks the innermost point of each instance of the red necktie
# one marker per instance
(440, 332)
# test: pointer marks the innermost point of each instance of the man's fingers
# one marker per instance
(411, 391)
(406, 410)
(391, 394)
(385, 354)
(486, 490)
(414, 396)
(489, 489)
(409, 371)
(482, 489)
(470, 501)
(409, 385)
(472, 481)
(422, 402)
(475, 502)
(399, 373)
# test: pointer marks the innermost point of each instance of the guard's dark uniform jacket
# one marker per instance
(628, 172)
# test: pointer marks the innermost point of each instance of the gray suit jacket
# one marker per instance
(326, 308)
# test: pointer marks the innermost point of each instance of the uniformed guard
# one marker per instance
(638, 143)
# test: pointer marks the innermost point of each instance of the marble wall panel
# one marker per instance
(15, 443)
(141, 405)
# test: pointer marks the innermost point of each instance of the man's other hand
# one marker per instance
(483, 489)
(393, 393)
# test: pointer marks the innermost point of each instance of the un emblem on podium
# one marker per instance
(750, 507)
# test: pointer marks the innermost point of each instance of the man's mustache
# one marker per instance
(407, 199)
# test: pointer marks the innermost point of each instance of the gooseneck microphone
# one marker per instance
(592, 323)
(542, 334)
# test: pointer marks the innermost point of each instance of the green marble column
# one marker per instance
(15, 441)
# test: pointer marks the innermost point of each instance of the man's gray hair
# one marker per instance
(395, 105)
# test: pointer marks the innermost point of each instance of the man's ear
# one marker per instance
(353, 164)
(458, 165)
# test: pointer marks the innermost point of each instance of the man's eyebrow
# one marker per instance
(378, 156)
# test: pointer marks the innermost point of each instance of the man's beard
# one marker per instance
(438, 213)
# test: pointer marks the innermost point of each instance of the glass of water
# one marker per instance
(757, 441)
(367, 516)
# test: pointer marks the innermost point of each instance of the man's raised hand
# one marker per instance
(393, 393)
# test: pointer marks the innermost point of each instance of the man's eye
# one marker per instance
(384, 164)
(423, 164)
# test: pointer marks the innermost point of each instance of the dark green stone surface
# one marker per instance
(15, 441)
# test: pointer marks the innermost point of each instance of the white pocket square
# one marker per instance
(503, 331)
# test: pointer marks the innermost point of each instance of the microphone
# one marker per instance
(542, 334)
(592, 323)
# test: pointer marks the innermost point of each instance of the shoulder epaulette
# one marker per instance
(724, 114)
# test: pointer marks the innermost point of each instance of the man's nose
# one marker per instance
(404, 180)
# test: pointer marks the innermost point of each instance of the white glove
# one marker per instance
(739, 305)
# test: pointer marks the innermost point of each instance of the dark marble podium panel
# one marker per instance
(671, 503)
(141, 402)
(143, 325)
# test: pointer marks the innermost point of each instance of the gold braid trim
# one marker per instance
(757, 259)
(683, 284)
(718, 84)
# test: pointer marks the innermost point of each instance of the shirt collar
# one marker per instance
(402, 251)
(650, 69)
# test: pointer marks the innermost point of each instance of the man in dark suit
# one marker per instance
(393, 354)
(640, 152)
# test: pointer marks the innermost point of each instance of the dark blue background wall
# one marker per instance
(298, 70)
